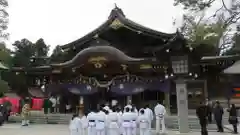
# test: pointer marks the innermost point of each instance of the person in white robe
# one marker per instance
(160, 112)
(101, 122)
(84, 125)
(120, 113)
(126, 122)
(91, 117)
(134, 121)
(75, 125)
(149, 113)
(144, 122)
(113, 123)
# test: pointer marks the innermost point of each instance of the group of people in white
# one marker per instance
(113, 121)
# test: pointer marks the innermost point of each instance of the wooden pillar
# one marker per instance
(167, 102)
(81, 106)
(205, 89)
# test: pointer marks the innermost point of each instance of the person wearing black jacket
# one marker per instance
(1, 115)
(218, 114)
(210, 108)
(202, 114)
(233, 117)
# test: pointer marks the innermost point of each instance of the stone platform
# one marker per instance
(43, 129)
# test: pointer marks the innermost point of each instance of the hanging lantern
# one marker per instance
(121, 86)
(89, 87)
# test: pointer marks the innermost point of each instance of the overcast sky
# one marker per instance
(59, 22)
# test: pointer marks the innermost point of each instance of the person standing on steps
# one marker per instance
(25, 114)
(202, 114)
(218, 114)
(160, 112)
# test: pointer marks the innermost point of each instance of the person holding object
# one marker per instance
(160, 112)
(202, 114)
(144, 123)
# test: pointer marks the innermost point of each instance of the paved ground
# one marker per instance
(16, 129)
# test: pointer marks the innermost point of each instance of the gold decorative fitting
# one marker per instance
(97, 59)
(98, 65)
(145, 66)
(116, 24)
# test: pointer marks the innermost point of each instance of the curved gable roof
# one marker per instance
(117, 16)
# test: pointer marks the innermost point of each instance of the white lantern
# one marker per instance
(121, 86)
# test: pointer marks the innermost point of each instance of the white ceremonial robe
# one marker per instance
(84, 125)
(160, 112)
(144, 124)
(113, 123)
(91, 123)
(126, 123)
(120, 124)
(134, 122)
(74, 126)
(149, 113)
(101, 123)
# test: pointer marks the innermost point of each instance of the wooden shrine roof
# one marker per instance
(116, 20)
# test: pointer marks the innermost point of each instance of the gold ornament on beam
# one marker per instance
(98, 65)
(146, 66)
(116, 24)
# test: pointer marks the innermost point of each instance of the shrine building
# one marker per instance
(123, 60)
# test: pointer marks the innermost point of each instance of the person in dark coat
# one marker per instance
(202, 114)
(233, 117)
(210, 109)
(1, 115)
(218, 114)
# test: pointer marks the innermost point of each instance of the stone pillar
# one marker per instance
(167, 102)
(182, 106)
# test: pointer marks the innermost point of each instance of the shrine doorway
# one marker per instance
(103, 96)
